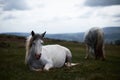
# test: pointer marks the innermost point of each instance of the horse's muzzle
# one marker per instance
(37, 56)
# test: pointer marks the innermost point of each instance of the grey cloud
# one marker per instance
(8, 17)
(96, 3)
(86, 15)
(14, 4)
(118, 15)
(117, 20)
(61, 18)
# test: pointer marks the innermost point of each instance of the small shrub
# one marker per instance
(4, 45)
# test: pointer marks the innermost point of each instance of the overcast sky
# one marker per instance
(57, 16)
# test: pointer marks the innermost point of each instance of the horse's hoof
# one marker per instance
(68, 64)
(103, 59)
(86, 57)
(46, 69)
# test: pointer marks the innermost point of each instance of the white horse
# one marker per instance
(94, 39)
(39, 57)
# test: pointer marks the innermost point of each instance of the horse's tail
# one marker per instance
(74, 64)
(71, 64)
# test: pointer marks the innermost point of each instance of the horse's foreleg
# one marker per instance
(96, 53)
(48, 66)
(37, 69)
(33, 69)
(87, 52)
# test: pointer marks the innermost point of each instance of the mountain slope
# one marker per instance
(111, 34)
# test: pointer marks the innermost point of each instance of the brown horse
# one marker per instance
(94, 40)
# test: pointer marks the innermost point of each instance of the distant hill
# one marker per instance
(68, 36)
(111, 34)
(17, 34)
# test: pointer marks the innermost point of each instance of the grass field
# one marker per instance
(12, 67)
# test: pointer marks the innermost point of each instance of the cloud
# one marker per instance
(118, 15)
(55, 16)
(14, 5)
(94, 3)
(117, 20)
(8, 17)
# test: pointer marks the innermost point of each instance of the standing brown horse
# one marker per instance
(94, 40)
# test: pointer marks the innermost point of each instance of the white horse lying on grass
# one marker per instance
(39, 57)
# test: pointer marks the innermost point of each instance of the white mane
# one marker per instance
(28, 42)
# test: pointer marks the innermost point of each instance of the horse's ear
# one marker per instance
(32, 33)
(43, 34)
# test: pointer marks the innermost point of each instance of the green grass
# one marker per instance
(12, 65)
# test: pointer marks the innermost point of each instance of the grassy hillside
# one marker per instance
(12, 67)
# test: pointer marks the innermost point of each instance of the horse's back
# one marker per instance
(55, 48)
(94, 36)
(56, 53)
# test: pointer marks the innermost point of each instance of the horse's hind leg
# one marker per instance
(68, 59)
(68, 62)
(96, 53)
(102, 54)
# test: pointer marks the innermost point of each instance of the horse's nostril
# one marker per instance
(37, 56)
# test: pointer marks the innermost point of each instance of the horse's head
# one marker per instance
(36, 44)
